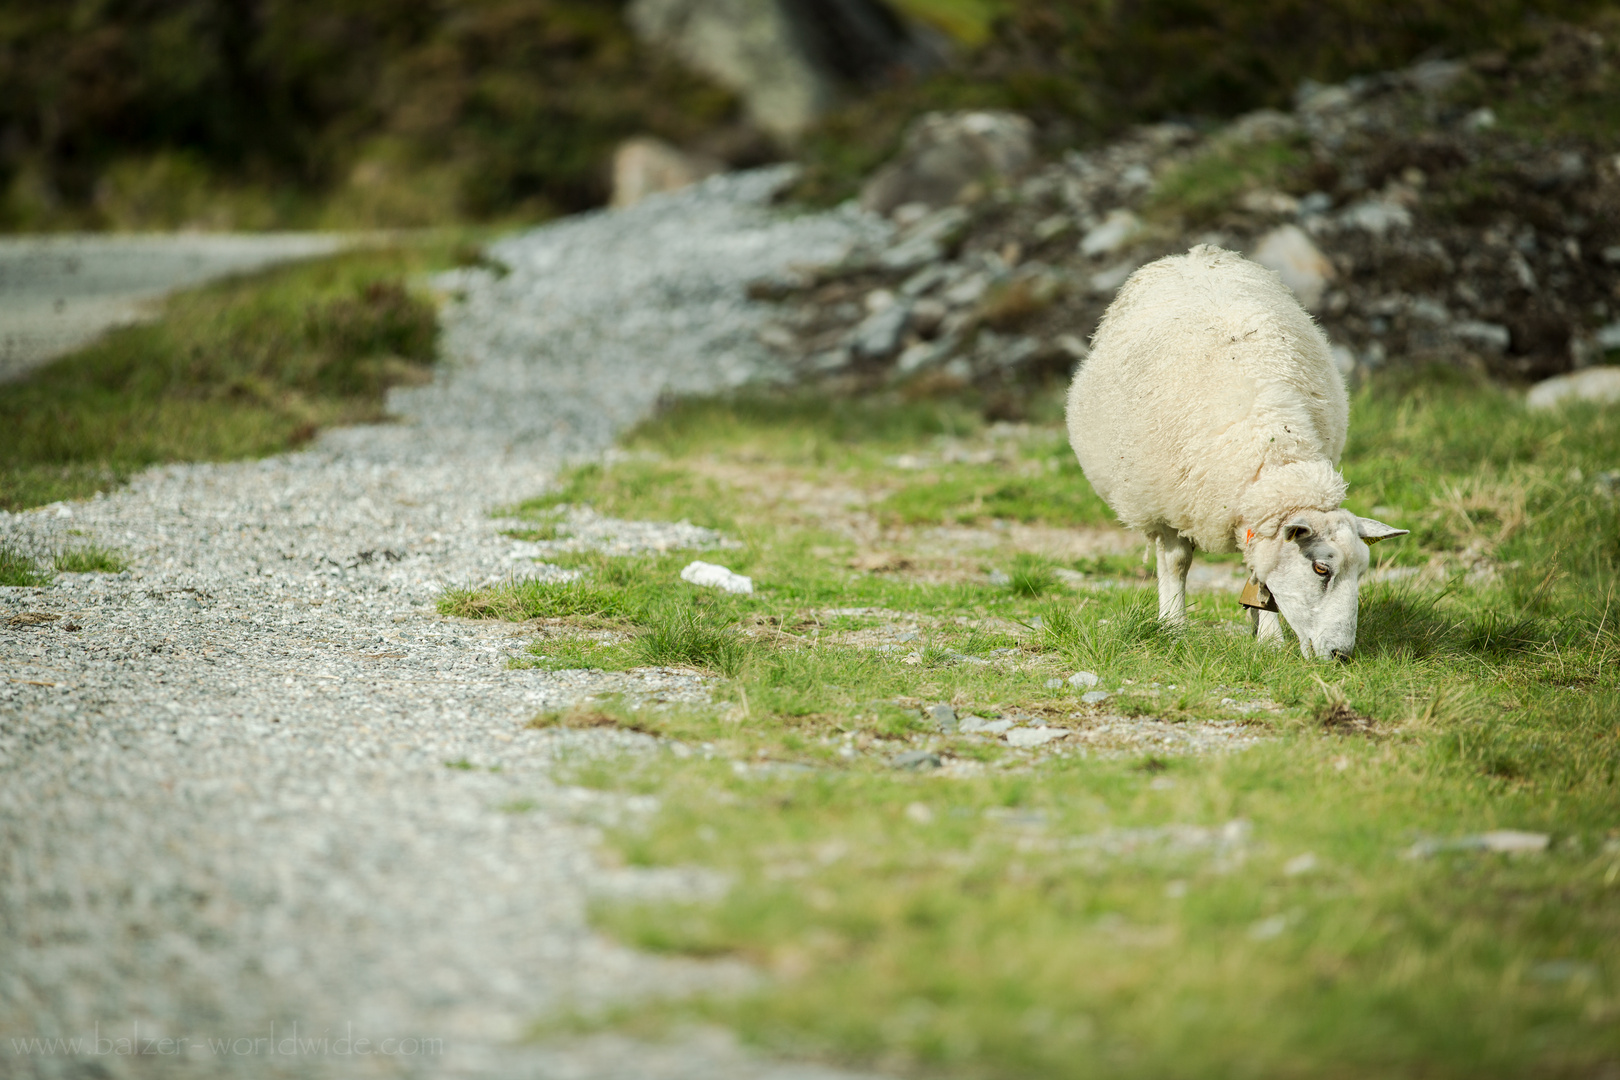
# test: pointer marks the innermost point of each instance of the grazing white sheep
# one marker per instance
(1210, 415)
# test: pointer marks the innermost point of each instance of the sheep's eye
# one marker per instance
(1322, 568)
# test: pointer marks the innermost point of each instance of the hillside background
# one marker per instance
(217, 114)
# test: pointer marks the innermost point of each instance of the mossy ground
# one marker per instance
(1114, 911)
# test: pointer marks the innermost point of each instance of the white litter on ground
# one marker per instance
(714, 576)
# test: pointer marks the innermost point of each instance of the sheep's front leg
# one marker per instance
(1267, 626)
(1175, 556)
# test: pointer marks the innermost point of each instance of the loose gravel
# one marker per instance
(256, 781)
(255, 789)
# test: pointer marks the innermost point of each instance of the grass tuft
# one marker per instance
(683, 635)
(91, 559)
(539, 598)
(1099, 633)
(576, 654)
(1201, 189)
(1032, 575)
(18, 569)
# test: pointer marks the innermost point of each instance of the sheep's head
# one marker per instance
(1313, 568)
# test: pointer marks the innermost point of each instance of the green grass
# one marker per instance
(968, 22)
(1032, 576)
(18, 568)
(1130, 912)
(1201, 189)
(677, 469)
(689, 636)
(243, 368)
(1054, 496)
(90, 559)
(1085, 920)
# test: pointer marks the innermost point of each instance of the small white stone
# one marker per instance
(1029, 737)
(879, 300)
(1107, 281)
(1492, 338)
(1116, 230)
(1300, 864)
(712, 575)
(1377, 217)
(1344, 358)
(919, 813)
(1300, 264)
(1514, 842)
(1597, 384)
(1083, 678)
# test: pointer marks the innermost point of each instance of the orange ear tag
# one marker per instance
(1248, 537)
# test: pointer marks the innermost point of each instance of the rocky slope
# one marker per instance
(1459, 213)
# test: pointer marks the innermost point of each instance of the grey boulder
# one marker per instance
(943, 153)
(1600, 385)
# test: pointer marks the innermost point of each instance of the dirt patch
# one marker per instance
(1335, 713)
(585, 716)
(931, 554)
(1341, 719)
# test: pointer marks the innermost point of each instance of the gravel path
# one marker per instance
(224, 800)
(60, 292)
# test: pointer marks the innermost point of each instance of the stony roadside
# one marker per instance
(256, 780)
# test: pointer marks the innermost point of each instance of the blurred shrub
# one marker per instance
(251, 113)
(140, 113)
(380, 320)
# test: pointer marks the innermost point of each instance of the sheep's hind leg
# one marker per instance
(1175, 556)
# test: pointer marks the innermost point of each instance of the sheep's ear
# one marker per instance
(1373, 531)
(1298, 529)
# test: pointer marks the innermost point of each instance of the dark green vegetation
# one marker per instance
(1086, 71)
(1309, 906)
(295, 112)
(290, 112)
(246, 367)
(1210, 183)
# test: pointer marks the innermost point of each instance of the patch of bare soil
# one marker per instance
(1341, 718)
(931, 554)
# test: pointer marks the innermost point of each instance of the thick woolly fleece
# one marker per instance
(1210, 404)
